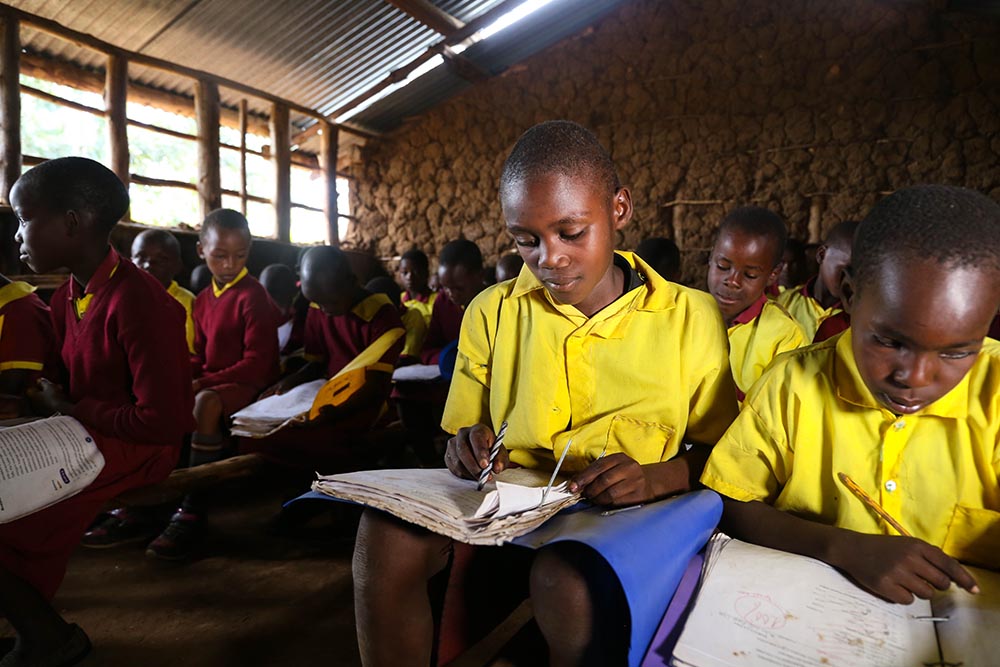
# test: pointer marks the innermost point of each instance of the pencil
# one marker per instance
(872, 505)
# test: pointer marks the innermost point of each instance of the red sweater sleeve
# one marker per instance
(151, 334)
(259, 365)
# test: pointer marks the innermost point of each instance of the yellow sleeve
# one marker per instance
(469, 394)
(752, 461)
(777, 334)
(713, 405)
(416, 332)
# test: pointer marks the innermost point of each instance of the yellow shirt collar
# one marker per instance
(96, 282)
(219, 291)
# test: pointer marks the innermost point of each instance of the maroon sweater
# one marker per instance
(236, 336)
(127, 357)
(446, 323)
(338, 339)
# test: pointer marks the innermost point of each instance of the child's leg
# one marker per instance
(393, 562)
(41, 631)
(579, 606)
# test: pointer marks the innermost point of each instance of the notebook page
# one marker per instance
(969, 636)
(759, 606)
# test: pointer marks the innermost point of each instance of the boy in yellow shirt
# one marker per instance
(589, 350)
(906, 403)
(158, 253)
(819, 298)
(745, 261)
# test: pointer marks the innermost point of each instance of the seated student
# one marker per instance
(413, 321)
(281, 284)
(157, 252)
(127, 381)
(793, 266)
(819, 298)
(663, 255)
(509, 267)
(27, 345)
(460, 274)
(414, 271)
(344, 321)
(906, 402)
(201, 277)
(236, 357)
(745, 261)
(564, 354)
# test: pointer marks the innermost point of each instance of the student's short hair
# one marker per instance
(201, 277)
(280, 282)
(512, 262)
(561, 147)
(418, 257)
(387, 286)
(332, 263)
(842, 235)
(758, 221)
(953, 226)
(162, 238)
(224, 218)
(660, 253)
(461, 253)
(79, 184)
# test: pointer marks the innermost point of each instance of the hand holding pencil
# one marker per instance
(470, 454)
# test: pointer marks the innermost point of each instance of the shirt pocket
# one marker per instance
(646, 442)
(974, 536)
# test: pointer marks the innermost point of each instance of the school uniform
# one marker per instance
(422, 304)
(121, 340)
(759, 334)
(26, 338)
(444, 327)
(806, 310)
(811, 417)
(186, 299)
(646, 373)
(416, 331)
(236, 341)
(335, 341)
(995, 328)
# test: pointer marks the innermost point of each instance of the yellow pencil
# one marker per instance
(872, 505)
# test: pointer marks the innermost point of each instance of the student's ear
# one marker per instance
(820, 254)
(775, 273)
(622, 204)
(201, 252)
(847, 291)
(72, 222)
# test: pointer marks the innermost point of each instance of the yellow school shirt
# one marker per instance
(425, 308)
(757, 336)
(811, 416)
(646, 373)
(416, 331)
(186, 299)
(807, 311)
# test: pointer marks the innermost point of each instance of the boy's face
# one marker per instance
(225, 252)
(460, 284)
(740, 268)
(414, 278)
(564, 227)
(833, 260)
(917, 328)
(155, 259)
(43, 234)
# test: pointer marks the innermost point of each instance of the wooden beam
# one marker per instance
(463, 67)
(430, 15)
(328, 160)
(206, 103)
(115, 98)
(281, 155)
(10, 105)
(243, 157)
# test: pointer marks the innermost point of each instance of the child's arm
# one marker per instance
(260, 349)
(620, 480)
(468, 452)
(892, 567)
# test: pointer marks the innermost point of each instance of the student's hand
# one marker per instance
(279, 388)
(327, 415)
(468, 452)
(48, 398)
(614, 480)
(899, 568)
(196, 385)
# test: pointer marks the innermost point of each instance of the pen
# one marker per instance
(620, 509)
(872, 505)
(485, 474)
(555, 472)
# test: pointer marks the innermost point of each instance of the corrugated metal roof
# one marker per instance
(316, 53)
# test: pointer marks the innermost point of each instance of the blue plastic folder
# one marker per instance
(647, 548)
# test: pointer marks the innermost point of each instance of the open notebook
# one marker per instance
(758, 606)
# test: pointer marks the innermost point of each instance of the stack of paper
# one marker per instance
(417, 373)
(444, 504)
(273, 413)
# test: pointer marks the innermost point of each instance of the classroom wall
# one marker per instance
(814, 109)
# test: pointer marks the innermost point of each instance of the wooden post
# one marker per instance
(677, 224)
(10, 104)
(816, 206)
(206, 108)
(115, 97)
(243, 156)
(281, 158)
(328, 161)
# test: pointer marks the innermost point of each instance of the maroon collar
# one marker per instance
(101, 276)
(751, 312)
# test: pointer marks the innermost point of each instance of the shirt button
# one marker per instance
(900, 425)
(890, 485)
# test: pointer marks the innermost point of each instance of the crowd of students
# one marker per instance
(763, 388)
